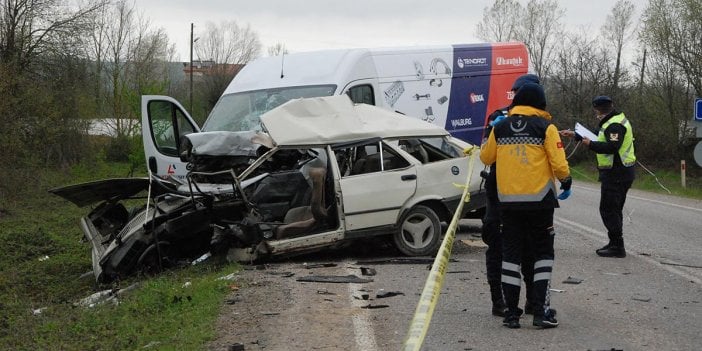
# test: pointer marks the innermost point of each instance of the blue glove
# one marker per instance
(498, 119)
(564, 195)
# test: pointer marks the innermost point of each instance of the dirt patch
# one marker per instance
(271, 310)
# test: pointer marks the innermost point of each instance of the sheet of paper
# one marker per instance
(584, 132)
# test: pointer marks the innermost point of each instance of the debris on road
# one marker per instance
(641, 298)
(368, 271)
(369, 306)
(318, 265)
(333, 279)
(572, 280)
(383, 294)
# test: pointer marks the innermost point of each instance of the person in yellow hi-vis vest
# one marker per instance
(615, 160)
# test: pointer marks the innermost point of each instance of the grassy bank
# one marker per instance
(43, 274)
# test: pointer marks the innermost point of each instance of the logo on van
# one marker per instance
(511, 61)
(461, 122)
(467, 62)
(476, 98)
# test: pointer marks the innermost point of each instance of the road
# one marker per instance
(650, 300)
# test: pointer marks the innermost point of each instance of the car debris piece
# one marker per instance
(368, 271)
(401, 260)
(270, 313)
(572, 280)
(202, 258)
(282, 274)
(370, 306)
(556, 290)
(229, 276)
(39, 311)
(641, 298)
(333, 279)
(325, 292)
(97, 298)
(236, 347)
(384, 294)
(319, 265)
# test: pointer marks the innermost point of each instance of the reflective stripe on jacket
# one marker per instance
(626, 150)
(528, 152)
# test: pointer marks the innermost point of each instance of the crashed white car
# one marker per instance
(325, 171)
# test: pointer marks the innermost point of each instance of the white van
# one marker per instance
(453, 86)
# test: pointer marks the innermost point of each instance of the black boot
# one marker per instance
(498, 302)
(614, 249)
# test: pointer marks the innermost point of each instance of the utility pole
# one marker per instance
(191, 68)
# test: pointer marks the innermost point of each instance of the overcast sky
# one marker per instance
(323, 24)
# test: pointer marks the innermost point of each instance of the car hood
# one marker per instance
(101, 190)
(336, 119)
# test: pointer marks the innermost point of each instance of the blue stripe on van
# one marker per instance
(470, 85)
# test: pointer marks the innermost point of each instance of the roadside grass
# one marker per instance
(657, 183)
(40, 281)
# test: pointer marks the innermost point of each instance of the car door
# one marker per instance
(377, 186)
(164, 121)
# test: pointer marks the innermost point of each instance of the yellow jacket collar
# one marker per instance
(529, 111)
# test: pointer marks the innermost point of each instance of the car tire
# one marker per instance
(419, 232)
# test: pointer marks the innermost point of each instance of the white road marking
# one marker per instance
(665, 203)
(646, 199)
(599, 235)
(362, 325)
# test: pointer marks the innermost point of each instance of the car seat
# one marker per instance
(303, 219)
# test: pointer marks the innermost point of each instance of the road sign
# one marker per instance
(698, 154)
(698, 109)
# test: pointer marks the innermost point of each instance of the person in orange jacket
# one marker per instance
(528, 152)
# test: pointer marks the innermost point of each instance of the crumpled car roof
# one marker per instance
(336, 119)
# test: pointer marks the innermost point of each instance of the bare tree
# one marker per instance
(29, 28)
(228, 43)
(133, 58)
(229, 46)
(539, 28)
(617, 30)
(499, 22)
(277, 49)
(575, 78)
(674, 28)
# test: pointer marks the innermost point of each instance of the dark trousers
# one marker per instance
(492, 237)
(527, 232)
(612, 198)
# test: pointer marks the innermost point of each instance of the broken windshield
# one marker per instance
(241, 111)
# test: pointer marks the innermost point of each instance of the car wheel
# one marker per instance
(419, 232)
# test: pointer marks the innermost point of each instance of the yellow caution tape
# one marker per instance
(432, 288)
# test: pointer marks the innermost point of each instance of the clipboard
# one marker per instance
(584, 132)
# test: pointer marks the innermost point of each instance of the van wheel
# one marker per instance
(419, 232)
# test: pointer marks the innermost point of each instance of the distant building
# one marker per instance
(201, 68)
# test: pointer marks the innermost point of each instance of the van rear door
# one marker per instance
(163, 122)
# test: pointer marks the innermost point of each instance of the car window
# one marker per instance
(241, 111)
(428, 150)
(168, 125)
(368, 158)
(362, 94)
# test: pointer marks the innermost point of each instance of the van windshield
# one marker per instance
(241, 111)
